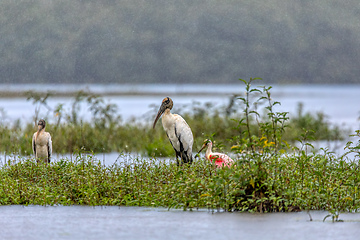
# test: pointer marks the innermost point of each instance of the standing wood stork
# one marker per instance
(41, 143)
(177, 130)
(221, 159)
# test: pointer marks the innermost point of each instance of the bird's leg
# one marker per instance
(182, 159)
(177, 159)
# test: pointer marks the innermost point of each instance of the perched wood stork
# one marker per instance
(177, 130)
(41, 143)
(220, 159)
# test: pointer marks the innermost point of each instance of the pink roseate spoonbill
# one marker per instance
(41, 143)
(220, 159)
(177, 130)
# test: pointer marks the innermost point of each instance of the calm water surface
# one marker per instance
(82, 222)
(339, 102)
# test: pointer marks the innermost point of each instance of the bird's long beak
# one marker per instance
(160, 112)
(204, 145)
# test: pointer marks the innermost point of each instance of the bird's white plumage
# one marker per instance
(178, 131)
(42, 145)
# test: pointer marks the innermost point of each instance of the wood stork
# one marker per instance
(177, 130)
(220, 159)
(41, 143)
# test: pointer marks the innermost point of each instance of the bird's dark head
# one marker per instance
(167, 103)
(207, 141)
(205, 144)
(41, 124)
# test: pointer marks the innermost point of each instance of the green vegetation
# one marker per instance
(133, 41)
(269, 175)
(106, 132)
(263, 182)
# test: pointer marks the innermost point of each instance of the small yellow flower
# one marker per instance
(268, 144)
(263, 138)
(252, 183)
(348, 198)
(235, 147)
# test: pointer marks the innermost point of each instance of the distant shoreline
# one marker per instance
(70, 90)
(4, 94)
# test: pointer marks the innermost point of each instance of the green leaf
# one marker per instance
(243, 80)
(255, 90)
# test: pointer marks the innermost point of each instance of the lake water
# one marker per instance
(84, 222)
(339, 102)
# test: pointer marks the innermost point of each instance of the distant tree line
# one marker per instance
(168, 41)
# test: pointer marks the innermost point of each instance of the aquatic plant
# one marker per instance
(293, 182)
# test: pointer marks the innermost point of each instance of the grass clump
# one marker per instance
(258, 182)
